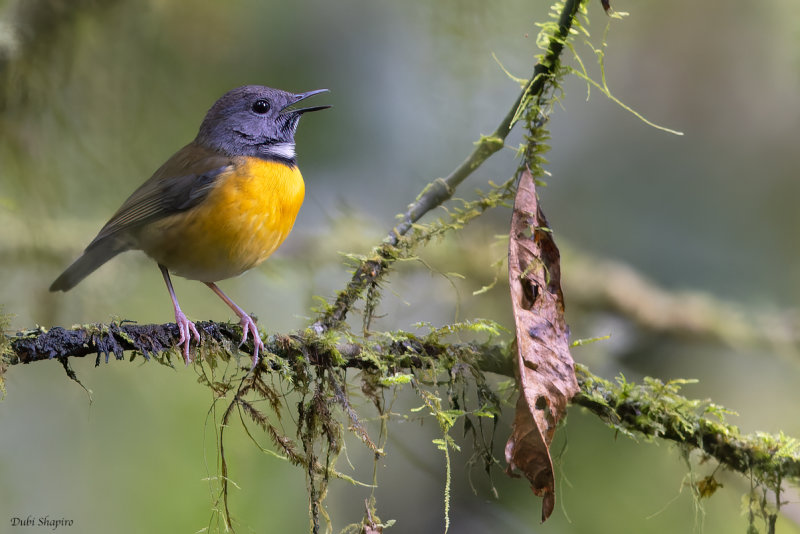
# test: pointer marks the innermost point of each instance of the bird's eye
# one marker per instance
(260, 106)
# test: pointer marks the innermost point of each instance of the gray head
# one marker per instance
(254, 120)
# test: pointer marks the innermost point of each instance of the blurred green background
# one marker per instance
(97, 94)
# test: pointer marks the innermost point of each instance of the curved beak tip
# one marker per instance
(302, 96)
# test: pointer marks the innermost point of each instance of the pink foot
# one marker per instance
(247, 322)
(188, 331)
(185, 326)
(249, 325)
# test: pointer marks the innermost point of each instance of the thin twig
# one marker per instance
(370, 270)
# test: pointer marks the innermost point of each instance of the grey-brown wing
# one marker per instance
(181, 183)
(177, 186)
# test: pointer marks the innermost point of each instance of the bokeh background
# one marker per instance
(97, 94)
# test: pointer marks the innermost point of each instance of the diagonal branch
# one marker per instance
(371, 270)
(656, 410)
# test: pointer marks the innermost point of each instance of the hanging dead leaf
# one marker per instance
(544, 364)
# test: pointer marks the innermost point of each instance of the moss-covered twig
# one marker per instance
(391, 351)
(371, 269)
(657, 410)
(654, 409)
(101, 339)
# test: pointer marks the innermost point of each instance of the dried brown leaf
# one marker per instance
(544, 364)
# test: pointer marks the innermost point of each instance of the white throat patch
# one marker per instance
(281, 150)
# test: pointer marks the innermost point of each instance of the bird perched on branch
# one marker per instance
(218, 207)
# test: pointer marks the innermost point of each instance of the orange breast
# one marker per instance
(244, 218)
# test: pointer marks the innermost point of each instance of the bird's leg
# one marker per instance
(247, 322)
(185, 326)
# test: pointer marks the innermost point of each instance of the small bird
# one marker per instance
(218, 207)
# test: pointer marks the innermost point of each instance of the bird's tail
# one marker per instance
(93, 257)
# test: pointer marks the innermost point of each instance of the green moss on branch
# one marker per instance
(655, 409)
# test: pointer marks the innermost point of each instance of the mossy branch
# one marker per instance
(371, 270)
(657, 410)
(653, 409)
(396, 349)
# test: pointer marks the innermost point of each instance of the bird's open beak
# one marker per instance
(300, 97)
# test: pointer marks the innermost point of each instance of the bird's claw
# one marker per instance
(249, 326)
(188, 331)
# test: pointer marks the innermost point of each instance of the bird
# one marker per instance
(218, 207)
